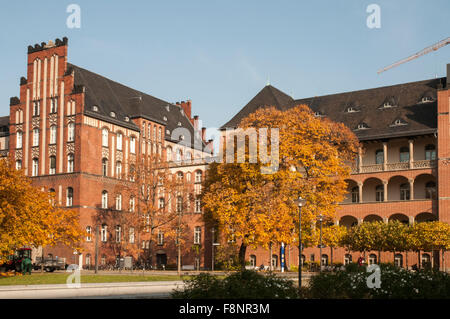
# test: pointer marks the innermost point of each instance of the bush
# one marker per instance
(396, 283)
(246, 284)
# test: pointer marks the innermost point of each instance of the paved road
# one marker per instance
(156, 289)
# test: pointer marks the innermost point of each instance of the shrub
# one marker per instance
(246, 284)
(396, 283)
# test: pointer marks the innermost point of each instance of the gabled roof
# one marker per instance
(268, 96)
(421, 118)
(110, 96)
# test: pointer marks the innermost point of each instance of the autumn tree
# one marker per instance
(255, 204)
(332, 237)
(29, 216)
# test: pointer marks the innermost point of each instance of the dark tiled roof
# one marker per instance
(110, 96)
(4, 126)
(414, 116)
(268, 96)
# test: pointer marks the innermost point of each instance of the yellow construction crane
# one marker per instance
(429, 49)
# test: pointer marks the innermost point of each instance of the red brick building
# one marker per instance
(76, 133)
(403, 168)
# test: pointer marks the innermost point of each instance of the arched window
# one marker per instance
(198, 205)
(179, 155)
(426, 260)
(355, 194)
(274, 261)
(53, 134)
(88, 261)
(69, 198)
(379, 193)
(18, 164)
(119, 202)
(105, 137)
(35, 168)
(19, 135)
(105, 167)
(379, 157)
(52, 169)
(54, 105)
(169, 153)
(70, 161)
(430, 152)
(324, 260)
(159, 134)
(36, 137)
(179, 176)
(404, 191)
(119, 141)
(253, 260)
(404, 154)
(36, 108)
(430, 190)
(104, 233)
(372, 259)
(119, 169)
(104, 199)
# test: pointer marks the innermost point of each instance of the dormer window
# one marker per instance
(351, 109)
(112, 114)
(127, 119)
(317, 114)
(165, 118)
(179, 123)
(387, 104)
(167, 132)
(362, 126)
(95, 108)
(399, 122)
(168, 108)
(426, 99)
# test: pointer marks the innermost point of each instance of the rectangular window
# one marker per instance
(88, 233)
(119, 141)
(36, 137)
(133, 145)
(197, 235)
(131, 239)
(52, 165)
(160, 238)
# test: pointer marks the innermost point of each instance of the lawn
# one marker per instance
(49, 279)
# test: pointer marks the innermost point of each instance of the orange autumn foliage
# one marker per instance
(28, 217)
(258, 209)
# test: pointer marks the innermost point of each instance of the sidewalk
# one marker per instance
(155, 289)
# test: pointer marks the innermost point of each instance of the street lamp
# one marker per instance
(300, 203)
(320, 244)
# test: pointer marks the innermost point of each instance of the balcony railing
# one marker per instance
(393, 166)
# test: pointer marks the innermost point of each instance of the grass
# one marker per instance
(50, 279)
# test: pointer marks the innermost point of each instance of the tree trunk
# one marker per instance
(242, 251)
(443, 260)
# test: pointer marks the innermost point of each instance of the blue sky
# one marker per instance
(220, 54)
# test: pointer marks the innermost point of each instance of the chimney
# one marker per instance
(203, 133)
(195, 123)
(187, 108)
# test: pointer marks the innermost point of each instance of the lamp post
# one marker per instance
(320, 245)
(300, 202)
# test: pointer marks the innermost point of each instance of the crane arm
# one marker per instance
(429, 49)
